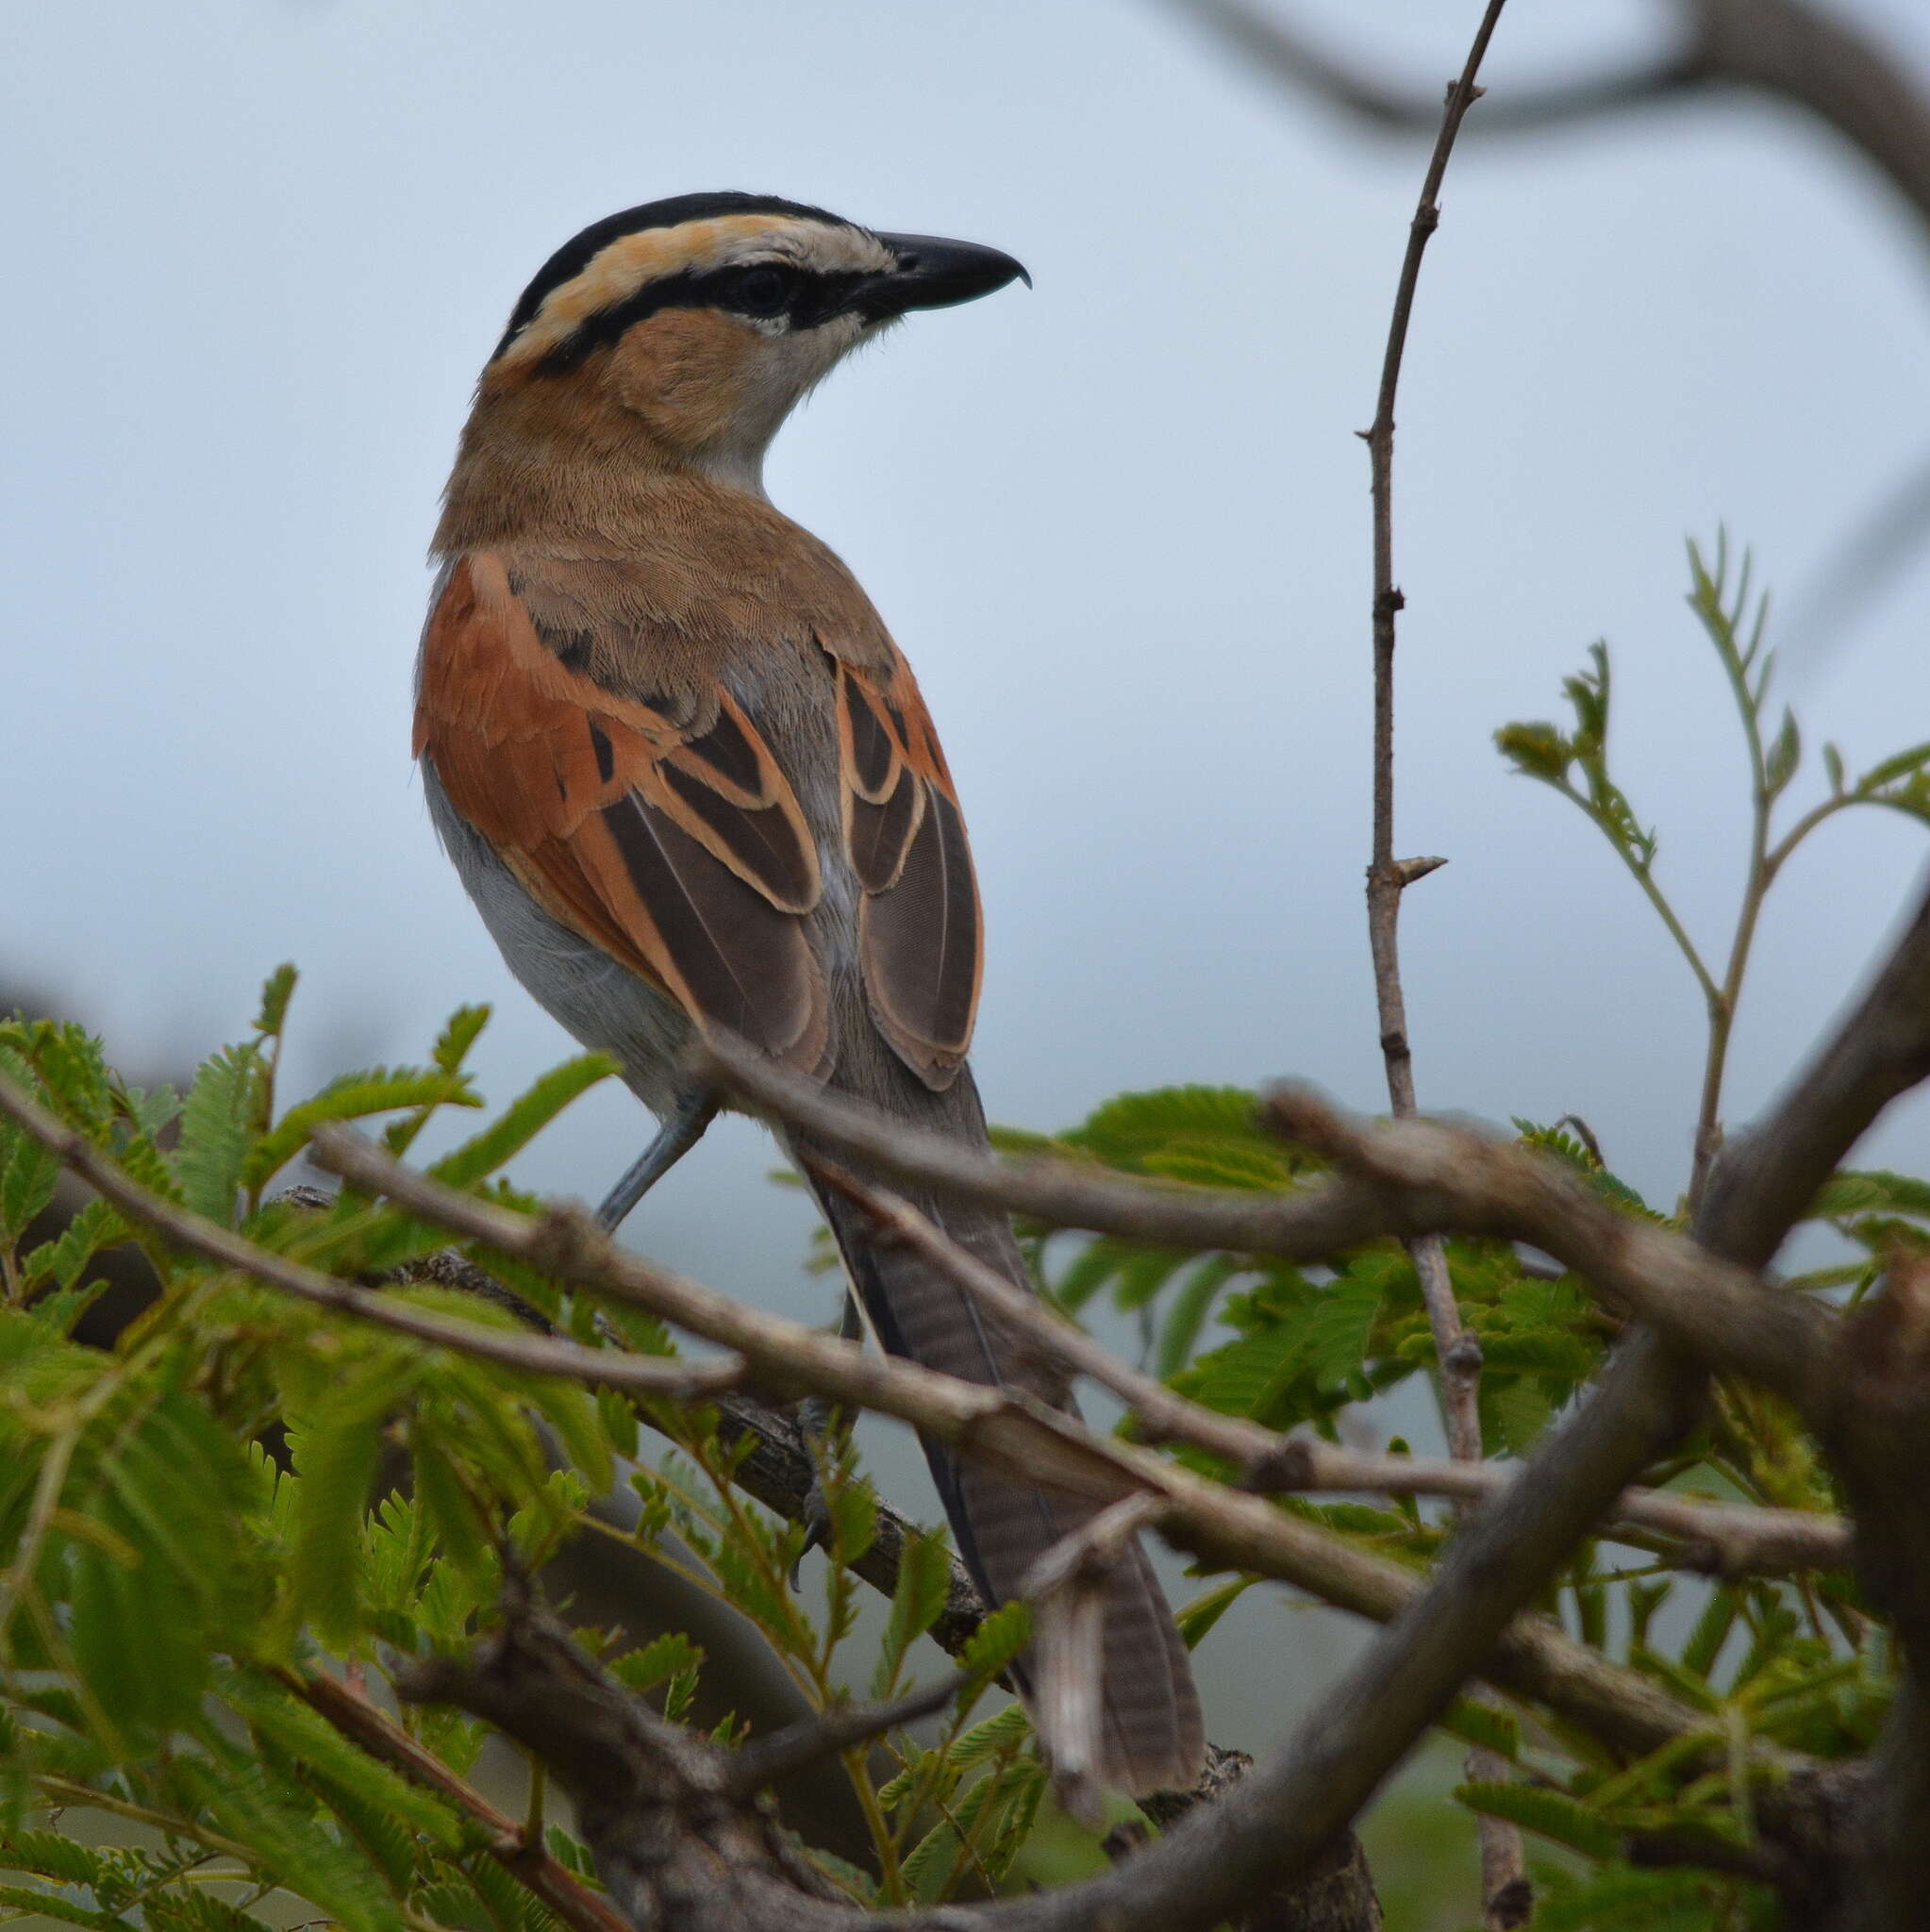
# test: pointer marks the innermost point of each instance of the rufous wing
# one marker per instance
(920, 940)
(678, 848)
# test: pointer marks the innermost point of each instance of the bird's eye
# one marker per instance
(762, 290)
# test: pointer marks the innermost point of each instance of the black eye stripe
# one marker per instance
(827, 292)
(576, 254)
(816, 296)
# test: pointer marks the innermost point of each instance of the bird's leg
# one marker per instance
(815, 1416)
(695, 1111)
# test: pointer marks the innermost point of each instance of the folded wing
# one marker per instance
(667, 835)
(920, 944)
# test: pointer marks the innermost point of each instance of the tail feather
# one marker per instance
(1154, 1735)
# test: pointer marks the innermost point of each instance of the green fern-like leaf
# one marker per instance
(1098, 1262)
(1490, 1725)
(276, 991)
(510, 1906)
(1237, 1378)
(1536, 749)
(450, 1051)
(302, 1734)
(1180, 1332)
(1337, 1331)
(1129, 1124)
(1549, 1814)
(50, 1855)
(1143, 1274)
(72, 1071)
(28, 1176)
(193, 1909)
(661, 1659)
(1198, 1616)
(352, 1097)
(335, 1458)
(931, 1864)
(1711, 1631)
(519, 1122)
(49, 1905)
(1000, 1637)
(284, 1838)
(217, 1124)
(925, 1580)
(1870, 1191)
(1621, 1900)
(96, 1226)
(368, 1825)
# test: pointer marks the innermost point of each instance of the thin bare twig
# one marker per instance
(686, 1381)
(1531, 1656)
(1370, 1718)
(1409, 1179)
(1027, 1441)
(1503, 1863)
(1387, 877)
(764, 1760)
(1723, 1540)
(558, 1887)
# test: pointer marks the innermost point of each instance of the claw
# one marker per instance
(816, 1417)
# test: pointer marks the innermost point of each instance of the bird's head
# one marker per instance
(702, 320)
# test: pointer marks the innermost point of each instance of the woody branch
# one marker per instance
(1766, 1181)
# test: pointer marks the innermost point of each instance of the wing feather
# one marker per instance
(679, 848)
(920, 944)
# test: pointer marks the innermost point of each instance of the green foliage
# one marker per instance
(246, 1493)
(192, 1522)
(924, 1577)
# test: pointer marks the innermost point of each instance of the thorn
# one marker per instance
(1408, 870)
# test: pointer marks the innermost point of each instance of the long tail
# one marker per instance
(1153, 1739)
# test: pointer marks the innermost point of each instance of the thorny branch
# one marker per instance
(782, 1754)
(1726, 1540)
(1237, 1530)
(1415, 1175)
(1817, 58)
(1507, 1553)
(1411, 1177)
(1503, 1868)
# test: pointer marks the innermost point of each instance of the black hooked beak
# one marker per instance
(931, 272)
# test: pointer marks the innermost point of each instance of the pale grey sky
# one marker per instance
(260, 247)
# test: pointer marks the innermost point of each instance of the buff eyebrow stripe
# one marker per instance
(576, 254)
(820, 294)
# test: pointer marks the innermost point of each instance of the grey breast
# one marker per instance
(595, 998)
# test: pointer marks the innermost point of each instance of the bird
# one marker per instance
(688, 781)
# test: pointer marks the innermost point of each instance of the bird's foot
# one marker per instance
(683, 1128)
